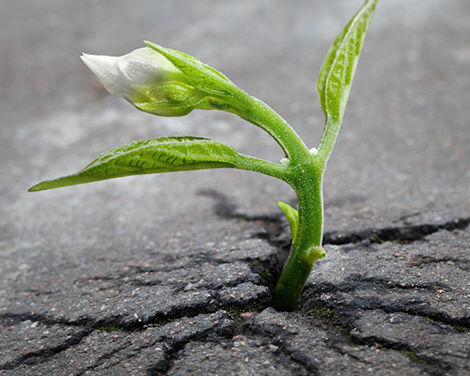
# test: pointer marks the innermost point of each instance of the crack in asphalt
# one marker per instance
(172, 350)
(421, 260)
(137, 270)
(432, 365)
(101, 359)
(40, 356)
(345, 315)
(171, 346)
(275, 236)
(225, 208)
(414, 307)
(241, 328)
(159, 319)
(341, 328)
(401, 234)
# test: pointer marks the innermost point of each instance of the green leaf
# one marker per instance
(202, 76)
(339, 66)
(151, 156)
(292, 216)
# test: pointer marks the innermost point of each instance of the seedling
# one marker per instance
(166, 82)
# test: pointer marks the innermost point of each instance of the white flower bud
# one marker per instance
(128, 75)
(150, 80)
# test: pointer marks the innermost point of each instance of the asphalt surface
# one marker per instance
(172, 274)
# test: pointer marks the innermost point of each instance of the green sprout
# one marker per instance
(167, 82)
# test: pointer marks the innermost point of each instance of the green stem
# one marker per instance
(260, 114)
(246, 162)
(307, 182)
(304, 172)
(328, 140)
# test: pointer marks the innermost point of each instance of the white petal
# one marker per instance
(123, 75)
(107, 71)
(146, 66)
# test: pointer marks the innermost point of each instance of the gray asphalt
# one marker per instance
(172, 273)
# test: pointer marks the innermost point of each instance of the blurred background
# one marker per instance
(402, 155)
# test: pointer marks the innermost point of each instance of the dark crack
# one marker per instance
(103, 358)
(357, 281)
(275, 234)
(339, 322)
(171, 344)
(225, 208)
(421, 260)
(45, 354)
(281, 340)
(401, 234)
(129, 277)
(122, 323)
(174, 346)
(433, 366)
(43, 319)
(426, 312)
(413, 306)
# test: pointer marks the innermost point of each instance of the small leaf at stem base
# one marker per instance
(292, 216)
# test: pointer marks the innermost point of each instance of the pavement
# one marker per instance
(172, 274)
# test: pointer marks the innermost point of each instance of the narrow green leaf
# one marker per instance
(151, 156)
(202, 76)
(292, 216)
(339, 66)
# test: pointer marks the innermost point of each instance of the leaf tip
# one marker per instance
(35, 188)
(152, 45)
